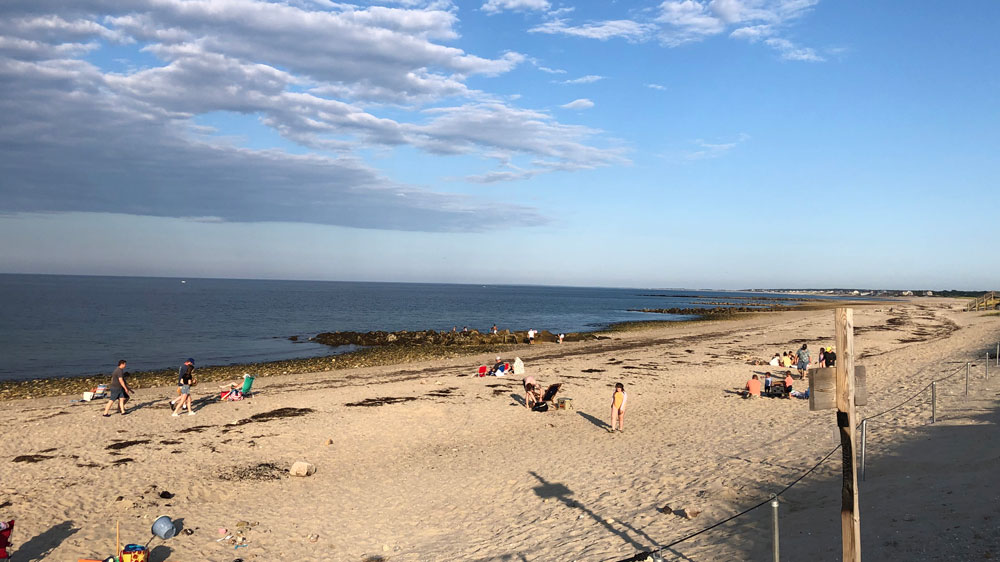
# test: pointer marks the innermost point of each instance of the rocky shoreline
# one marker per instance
(380, 349)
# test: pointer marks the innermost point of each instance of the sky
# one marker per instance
(684, 143)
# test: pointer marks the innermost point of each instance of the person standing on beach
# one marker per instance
(119, 389)
(186, 368)
(618, 400)
(531, 336)
(187, 380)
(803, 364)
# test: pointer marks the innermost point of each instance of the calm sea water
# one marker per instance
(53, 325)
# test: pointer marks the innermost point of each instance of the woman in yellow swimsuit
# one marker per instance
(618, 400)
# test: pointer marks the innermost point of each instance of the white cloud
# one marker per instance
(791, 51)
(497, 6)
(76, 137)
(752, 33)
(625, 29)
(659, 87)
(582, 103)
(678, 22)
(707, 150)
(588, 79)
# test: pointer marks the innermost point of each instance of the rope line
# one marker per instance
(644, 555)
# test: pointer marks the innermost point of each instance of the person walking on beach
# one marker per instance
(187, 380)
(803, 364)
(618, 400)
(119, 389)
(186, 368)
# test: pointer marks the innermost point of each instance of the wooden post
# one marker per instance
(850, 516)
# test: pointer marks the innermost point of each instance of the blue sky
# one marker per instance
(702, 144)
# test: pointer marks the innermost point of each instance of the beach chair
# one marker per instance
(100, 392)
(244, 391)
(483, 369)
(5, 540)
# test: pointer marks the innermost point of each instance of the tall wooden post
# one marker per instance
(850, 516)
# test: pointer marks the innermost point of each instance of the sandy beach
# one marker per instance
(427, 462)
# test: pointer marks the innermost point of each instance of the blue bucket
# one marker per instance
(163, 527)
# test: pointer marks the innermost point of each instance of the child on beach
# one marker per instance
(618, 400)
(788, 384)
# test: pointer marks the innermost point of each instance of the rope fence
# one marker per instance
(655, 554)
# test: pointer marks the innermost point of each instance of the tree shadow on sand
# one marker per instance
(40, 546)
(561, 492)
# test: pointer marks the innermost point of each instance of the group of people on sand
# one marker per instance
(755, 386)
(536, 400)
(801, 359)
(119, 392)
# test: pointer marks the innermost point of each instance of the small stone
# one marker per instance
(302, 468)
(691, 513)
(385, 548)
(242, 524)
(609, 520)
(329, 441)
(188, 532)
(666, 510)
(313, 538)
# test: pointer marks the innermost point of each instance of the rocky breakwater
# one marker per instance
(714, 311)
(472, 338)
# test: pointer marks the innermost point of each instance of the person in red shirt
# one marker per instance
(788, 384)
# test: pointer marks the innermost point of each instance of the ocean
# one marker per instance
(61, 325)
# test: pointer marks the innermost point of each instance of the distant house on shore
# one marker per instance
(907, 293)
(929, 293)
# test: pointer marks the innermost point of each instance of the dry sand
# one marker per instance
(457, 469)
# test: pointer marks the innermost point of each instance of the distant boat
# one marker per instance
(183, 281)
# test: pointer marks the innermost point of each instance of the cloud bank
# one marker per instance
(78, 133)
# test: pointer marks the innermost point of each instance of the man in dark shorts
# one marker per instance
(119, 389)
(187, 368)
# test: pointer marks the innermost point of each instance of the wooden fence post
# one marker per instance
(850, 516)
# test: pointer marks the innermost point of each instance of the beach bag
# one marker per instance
(540, 407)
(5, 539)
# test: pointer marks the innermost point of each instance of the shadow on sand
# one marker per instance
(40, 546)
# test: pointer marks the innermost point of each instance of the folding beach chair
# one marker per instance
(483, 369)
(100, 392)
(244, 391)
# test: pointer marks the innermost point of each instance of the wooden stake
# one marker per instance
(850, 516)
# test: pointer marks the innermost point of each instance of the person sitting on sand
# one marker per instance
(786, 360)
(532, 392)
(497, 366)
(775, 361)
(618, 400)
(752, 389)
(788, 384)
